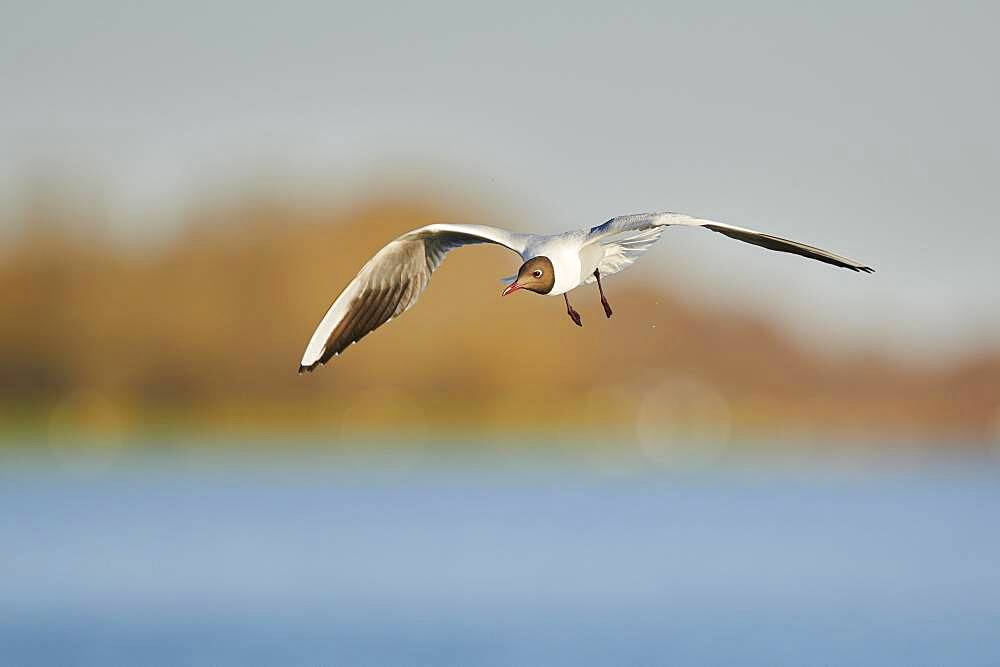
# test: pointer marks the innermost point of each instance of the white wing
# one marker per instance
(391, 282)
(626, 237)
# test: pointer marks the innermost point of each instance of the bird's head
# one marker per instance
(536, 275)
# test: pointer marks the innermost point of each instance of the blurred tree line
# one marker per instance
(204, 330)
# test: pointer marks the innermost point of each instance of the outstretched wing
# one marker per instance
(626, 237)
(391, 282)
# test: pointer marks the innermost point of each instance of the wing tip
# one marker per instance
(863, 269)
(309, 368)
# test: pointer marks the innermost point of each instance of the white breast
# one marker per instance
(564, 253)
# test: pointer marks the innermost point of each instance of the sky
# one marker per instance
(866, 128)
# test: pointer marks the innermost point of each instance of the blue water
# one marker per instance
(325, 562)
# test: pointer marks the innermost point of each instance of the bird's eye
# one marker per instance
(537, 273)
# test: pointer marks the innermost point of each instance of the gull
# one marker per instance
(392, 280)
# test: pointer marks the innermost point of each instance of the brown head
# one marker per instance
(536, 275)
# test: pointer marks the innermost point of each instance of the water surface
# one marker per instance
(334, 562)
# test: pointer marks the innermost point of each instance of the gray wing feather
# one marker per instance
(391, 282)
(627, 236)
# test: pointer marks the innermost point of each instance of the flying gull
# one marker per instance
(395, 277)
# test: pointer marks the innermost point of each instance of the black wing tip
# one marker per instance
(316, 364)
(863, 269)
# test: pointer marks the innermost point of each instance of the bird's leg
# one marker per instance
(604, 302)
(573, 315)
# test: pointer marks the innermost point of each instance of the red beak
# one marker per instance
(513, 287)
